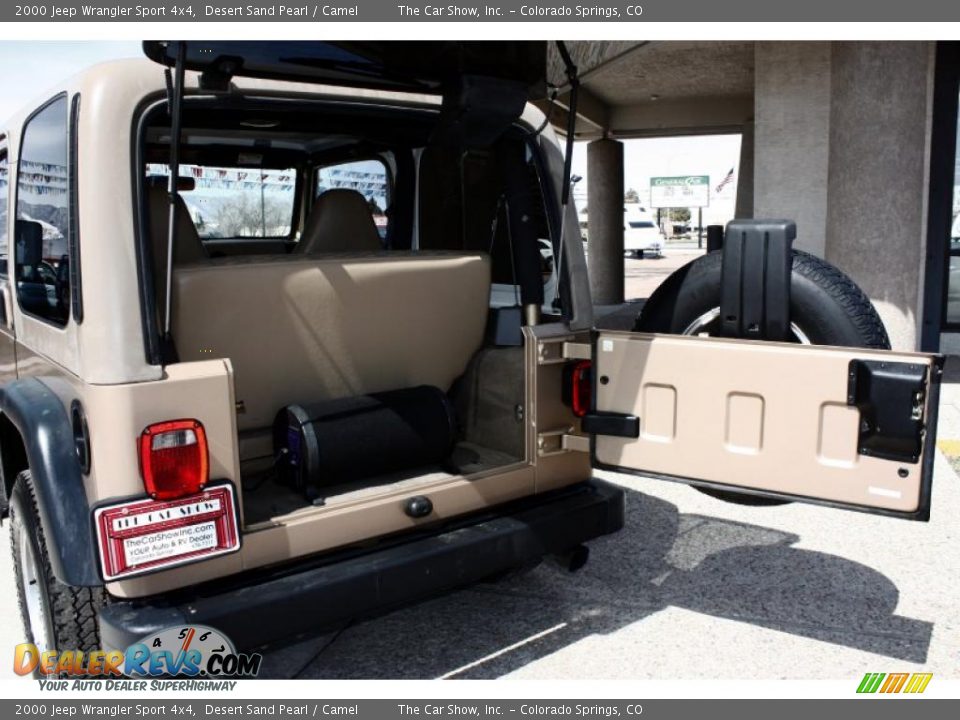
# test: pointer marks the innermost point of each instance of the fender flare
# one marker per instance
(44, 424)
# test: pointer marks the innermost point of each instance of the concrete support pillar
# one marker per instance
(880, 121)
(842, 146)
(792, 123)
(744, 206)
(605, 218)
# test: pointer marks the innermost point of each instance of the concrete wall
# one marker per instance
(744, 208)
(880, 120)
(842, 147)
(791, 127)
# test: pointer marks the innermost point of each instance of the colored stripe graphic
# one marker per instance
(870, 682)
(894, 683)
(918, 683)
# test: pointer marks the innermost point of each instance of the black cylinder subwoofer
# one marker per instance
(363, 436)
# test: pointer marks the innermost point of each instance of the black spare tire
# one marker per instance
(826, 308)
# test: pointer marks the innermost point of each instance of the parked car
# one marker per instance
(307, 423)
(641, 234)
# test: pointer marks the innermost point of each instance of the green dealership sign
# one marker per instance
(680, 191)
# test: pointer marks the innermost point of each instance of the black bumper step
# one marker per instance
(264, 609)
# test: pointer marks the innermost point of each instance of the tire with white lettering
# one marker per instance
(55, 615)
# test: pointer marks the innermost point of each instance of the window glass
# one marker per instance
(236, 202)
(953, 279)
(4, 195)
(42, 266)
(368, 177)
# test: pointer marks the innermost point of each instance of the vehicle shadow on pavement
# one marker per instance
(662, 558)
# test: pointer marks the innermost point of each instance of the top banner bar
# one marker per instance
(493, 11)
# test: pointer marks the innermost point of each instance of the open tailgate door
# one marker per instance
(846, 427)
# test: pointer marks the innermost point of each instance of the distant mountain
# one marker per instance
(53, 217)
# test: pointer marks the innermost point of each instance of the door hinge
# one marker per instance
(551, 353)
(555, 442)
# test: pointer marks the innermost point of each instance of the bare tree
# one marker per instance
(248, 214)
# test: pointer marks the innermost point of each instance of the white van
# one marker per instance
(641, 234)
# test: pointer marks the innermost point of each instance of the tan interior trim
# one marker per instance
(301, 329)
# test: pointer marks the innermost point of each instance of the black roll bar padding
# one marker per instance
(175, 103)
(574, 79)
(520, 199)
(755, 279)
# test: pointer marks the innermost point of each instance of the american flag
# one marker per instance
(726, 181)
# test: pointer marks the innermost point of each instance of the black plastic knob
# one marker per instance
(418, 507)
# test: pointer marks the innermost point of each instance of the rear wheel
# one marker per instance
(54, 615)
(826, 308)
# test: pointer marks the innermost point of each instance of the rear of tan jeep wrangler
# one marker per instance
(335, 354)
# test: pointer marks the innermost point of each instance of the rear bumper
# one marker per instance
(263, 608)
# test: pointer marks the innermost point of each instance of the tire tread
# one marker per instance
(847, 294)
(74, 610)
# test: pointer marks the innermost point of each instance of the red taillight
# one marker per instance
(173, 459)
(581, 387)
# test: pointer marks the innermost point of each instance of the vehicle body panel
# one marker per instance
(771, 417)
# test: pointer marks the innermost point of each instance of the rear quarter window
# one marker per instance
(41, 255)
(4, 195)
(370, 178)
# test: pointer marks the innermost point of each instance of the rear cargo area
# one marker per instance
(309, 330)
(336, 257)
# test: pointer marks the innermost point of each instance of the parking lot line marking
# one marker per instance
(502, 651)
(949, 447)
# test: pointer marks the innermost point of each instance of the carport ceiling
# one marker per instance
(673, 71)
(654, 87)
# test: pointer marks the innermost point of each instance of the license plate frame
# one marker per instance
(171, 533)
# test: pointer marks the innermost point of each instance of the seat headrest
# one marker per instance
(340, 221)
(189, 247)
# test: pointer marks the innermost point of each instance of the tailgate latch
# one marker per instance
(890, 397)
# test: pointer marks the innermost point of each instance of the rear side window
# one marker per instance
(4, 195)
(236, 202)
(41, 256)
(370, 178)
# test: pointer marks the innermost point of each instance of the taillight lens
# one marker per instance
(578, 387)
(173, 459)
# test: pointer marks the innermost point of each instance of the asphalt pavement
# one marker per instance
(691, 588)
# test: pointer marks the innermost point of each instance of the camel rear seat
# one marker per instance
(305, 328)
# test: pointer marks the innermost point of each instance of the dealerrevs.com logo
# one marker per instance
(185, 651)
(887, 683)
